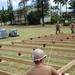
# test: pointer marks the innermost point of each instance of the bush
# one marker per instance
(47, 22)
(67, 23)
(54, 19)
(33, 18)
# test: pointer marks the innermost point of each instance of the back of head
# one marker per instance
(38, 54)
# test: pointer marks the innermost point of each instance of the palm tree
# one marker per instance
(72, 4)
(66, 1)
(43, 8)
(61, 2)
(57, 2)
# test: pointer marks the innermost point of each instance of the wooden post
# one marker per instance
(51, 34)
(72, 36)
(53, 42)
(67, 38)
(38, 36)
(61, 40)
(19, 54)
(44, 45)
(45, 35)
(12, 43)
(31, 38)
(0, 60)
(22, 40)
(0, 46)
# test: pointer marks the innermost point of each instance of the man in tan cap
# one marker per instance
(38, 58)
(57, 28)
(72, 28)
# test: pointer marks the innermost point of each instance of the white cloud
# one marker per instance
(51, 2)
(3, 1)
(15, 2)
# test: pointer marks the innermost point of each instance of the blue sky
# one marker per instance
(4, 3)
(15, 4)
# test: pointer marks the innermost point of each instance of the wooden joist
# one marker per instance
(43, 41)
(68, 38)
(23, 61)
(58, 36)
(17, 60)
(49, 55)
(52, 40)
(6, 73)
(15, 51)
(61, 41)
(32, 47)
(48, 44)
(64, 39)
(67, 67)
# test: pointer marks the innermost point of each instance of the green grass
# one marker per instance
(26, 32)
(31, 31)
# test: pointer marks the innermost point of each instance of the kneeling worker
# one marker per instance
(38, 58)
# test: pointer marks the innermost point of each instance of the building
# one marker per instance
(19, 15)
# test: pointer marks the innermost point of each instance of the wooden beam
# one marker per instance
(68, 38)
(47, 44)
(49, 55)
(6, 73)
(67, 67)
(17, 60)
(61, 41)
(53, 49)
(23, 61)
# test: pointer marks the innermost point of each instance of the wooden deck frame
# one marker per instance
(66, 67)
(24, 61)
(64, 39)
(50, 41)
(43, 41)
(54, 49)
(57, 37)
(49, 55)
(61, 70)
(48, 44)
(6, 73)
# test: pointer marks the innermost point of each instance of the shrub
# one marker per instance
(54, 19)
(67, 23)
(33, 18)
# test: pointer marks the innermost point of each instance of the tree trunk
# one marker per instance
(60, 12)
(66, 7)
(11, 22)
(42, 13)
(25, 15)
(26, 18)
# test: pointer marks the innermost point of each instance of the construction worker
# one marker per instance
(38, 58)
(57, 28)
(72, 28)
